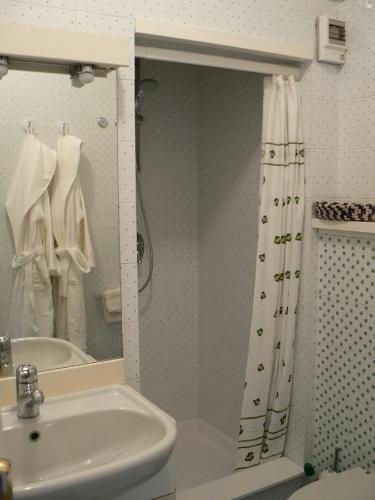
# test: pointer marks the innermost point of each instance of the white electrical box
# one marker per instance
(331, 40)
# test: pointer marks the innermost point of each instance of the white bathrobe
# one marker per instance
(28, 208)
(74, 249)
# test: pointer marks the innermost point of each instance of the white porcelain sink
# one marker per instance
(92, 445)
(47, 353)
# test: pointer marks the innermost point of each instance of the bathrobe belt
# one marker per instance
(25, 260)
(68, 255)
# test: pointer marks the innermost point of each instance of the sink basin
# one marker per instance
(47, 353)
(88, 445)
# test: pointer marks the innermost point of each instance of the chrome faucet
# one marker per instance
(29, 397)
(6, 360)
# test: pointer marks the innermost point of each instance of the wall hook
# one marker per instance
(62, 128)
(27, 127)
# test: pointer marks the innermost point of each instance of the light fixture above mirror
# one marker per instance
(83, 56)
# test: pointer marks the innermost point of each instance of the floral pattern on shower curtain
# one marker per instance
(269, 372)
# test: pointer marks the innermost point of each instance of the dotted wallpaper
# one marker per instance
(47, 99)
(230, 107)
(168, 308)
(345, 396)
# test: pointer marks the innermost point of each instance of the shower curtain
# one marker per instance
(269, 372)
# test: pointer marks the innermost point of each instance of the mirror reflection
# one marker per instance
(60, 302)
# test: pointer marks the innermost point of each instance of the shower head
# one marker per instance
(145, 85)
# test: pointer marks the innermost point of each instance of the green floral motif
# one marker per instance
(262, 257)
(256, 401)
(276, 202)
(299, 236)
(260, 367)
(263, 295)
(241, 430)
(282, 420)
(277, 240)
(260, 332)
(265, 448)
(297, 274)
(250, 456)
(272, 153)
(264, 219)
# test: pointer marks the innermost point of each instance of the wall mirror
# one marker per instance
(60, 301)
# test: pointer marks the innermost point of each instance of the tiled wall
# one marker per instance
(345, 401)
(344, 409)
(54, 99)
(168, 308)
(230, 112)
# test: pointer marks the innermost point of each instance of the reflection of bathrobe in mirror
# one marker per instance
(28, 208)
(74, 249)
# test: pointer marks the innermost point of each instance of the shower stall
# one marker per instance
(198, 155)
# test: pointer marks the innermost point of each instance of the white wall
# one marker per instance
(168, 308)
(344, 402)
(229, 131)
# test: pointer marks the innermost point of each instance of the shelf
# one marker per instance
(348, 227)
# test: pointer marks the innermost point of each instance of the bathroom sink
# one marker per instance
(47, 353)
(87, 445)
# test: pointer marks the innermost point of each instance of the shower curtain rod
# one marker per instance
(182, 56)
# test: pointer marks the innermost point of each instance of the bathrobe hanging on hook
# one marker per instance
(74, 249)
(28, 209)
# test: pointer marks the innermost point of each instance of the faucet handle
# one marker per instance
(37, 398)
(26, 374)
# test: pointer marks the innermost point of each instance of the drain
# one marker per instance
(34, 436)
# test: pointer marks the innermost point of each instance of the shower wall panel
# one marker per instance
(168, 308)
(230, 117)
